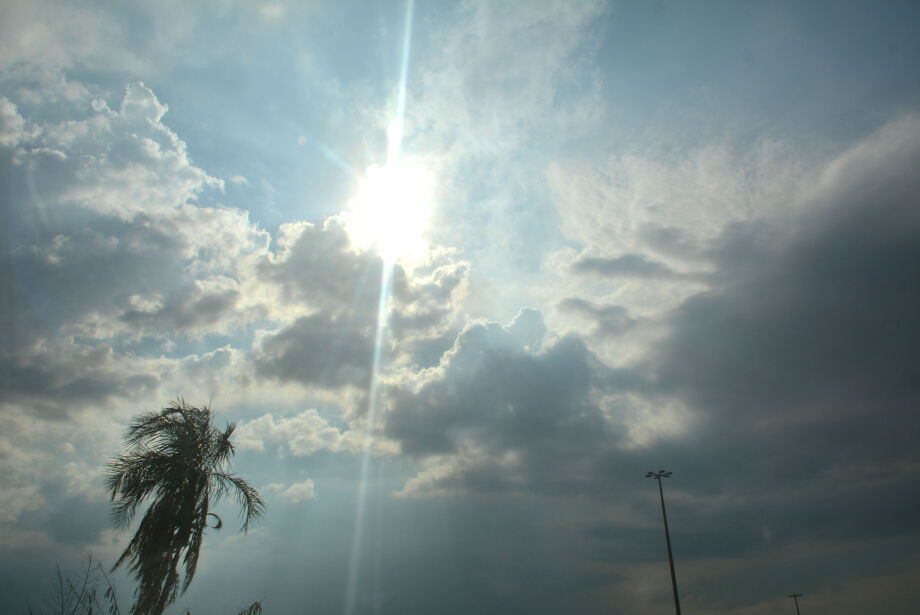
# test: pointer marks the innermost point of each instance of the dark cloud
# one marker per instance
(187, 309)
(69, 272)
(318, 268)
(321, 350)
(811, 337)
(507, 414)
(799, 366)
(52, 377)
(795, 366)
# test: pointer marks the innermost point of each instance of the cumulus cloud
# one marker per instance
(114, 194)
(294, 493)
(122, 163)
(333, 289)
(302, 435)
(507, 410)
(202, 303)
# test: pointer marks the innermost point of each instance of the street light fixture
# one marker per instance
(796, 598)
(658, 476)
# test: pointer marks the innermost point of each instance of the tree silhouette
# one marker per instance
(177, 460)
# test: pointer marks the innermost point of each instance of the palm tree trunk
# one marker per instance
(186, 519)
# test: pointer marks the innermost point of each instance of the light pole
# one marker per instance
(795, 597)
(667, 537)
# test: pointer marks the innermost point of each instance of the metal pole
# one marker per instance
(667, 538)
(795, 597)
(667, 534)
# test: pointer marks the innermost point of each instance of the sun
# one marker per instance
(391, 210)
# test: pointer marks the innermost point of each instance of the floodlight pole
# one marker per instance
(667, 536)
(796, 597)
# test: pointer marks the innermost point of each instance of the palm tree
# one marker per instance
(177, 460)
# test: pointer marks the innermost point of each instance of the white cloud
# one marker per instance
(11, 123)
(293, 493)
(298, 492)
(272, 10)
(302, 435)
(647, 228)
(674, 208)
(196, 264)
(121, 163)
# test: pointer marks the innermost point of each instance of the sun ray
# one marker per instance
(394, 189)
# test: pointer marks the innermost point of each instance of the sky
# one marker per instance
(461, 273)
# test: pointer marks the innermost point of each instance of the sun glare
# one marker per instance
(391, 210)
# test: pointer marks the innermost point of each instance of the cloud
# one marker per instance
(810, 334)
(55, 378)
(497, 87)
(781, 393)
(609, 320)
(134, 40)
(11, 123)
(302, 435)
(291, 353)
(121, 163)
(333, 289)
(794, 369)
(48, 33)
(202, 303)
(294, 493)
(626, 266)
(507, 410)
(112, 195)
(671, 209)
(497, 73)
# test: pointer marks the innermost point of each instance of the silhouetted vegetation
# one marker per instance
(253, 609)
(91, 592)
(177, 460)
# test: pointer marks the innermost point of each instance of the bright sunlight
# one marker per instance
(391, 210)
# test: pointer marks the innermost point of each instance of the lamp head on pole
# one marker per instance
(659, 474)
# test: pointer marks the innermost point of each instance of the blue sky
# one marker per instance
(656, 235)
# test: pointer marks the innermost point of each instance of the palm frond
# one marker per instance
(223, 446)
(194, 547)
(252, 506)
(253, 609)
